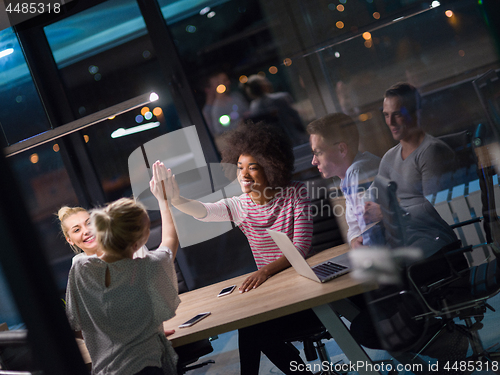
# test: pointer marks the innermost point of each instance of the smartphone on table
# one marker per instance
(226, 291)
(194, 320)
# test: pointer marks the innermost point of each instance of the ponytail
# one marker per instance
(119, 225)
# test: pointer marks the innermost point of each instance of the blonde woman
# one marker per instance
(120, 302)
(75, 223)
(75, 227)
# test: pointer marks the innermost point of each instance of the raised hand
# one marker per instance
(158, 183)
(172, 188)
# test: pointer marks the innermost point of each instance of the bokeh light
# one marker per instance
(55, 147)
(86, 138)
(449, 13)
(287, 61)
(225, 120)
(367, 36)
(144, 110)
(243, 79)
(365, 116)
(204, 11)
(273, 70)
(34, 158)
(340, 8)
(376, 15)
(340, 25)
(157, 111)
(221, 89)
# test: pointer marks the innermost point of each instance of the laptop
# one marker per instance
(330, 269)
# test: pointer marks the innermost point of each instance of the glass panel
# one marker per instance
(8, 310)
(337, 58)
(441, 61)
(22, 113)
(222, 45)
(46, 187)
(105, 56)
(101, 52)
(105, 142)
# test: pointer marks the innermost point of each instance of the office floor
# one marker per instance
(226, 357)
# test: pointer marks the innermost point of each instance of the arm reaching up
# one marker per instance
(158, 186)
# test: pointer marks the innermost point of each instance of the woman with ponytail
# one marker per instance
(120, 302)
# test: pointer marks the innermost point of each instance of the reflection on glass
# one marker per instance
(8, 310)
(45, 186)
(89, 32)
(110, 40)
(22, 114)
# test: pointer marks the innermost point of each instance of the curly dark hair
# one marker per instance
(267, 144)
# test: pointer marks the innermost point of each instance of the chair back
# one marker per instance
(393, 216)
(486, 171)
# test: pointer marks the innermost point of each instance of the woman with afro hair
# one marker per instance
(264, 159)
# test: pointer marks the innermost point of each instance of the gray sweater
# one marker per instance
(422, 173)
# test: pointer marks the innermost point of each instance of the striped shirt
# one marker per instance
(288, 212)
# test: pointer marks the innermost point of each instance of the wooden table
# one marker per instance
(285, 293)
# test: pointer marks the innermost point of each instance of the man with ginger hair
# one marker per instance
(334, 141)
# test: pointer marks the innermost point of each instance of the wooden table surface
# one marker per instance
(285, 293)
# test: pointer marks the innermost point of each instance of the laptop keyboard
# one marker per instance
(328, 268)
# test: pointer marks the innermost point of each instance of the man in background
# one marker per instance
(334, 140)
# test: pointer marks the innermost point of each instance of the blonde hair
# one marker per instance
(119, 225)
(63, 213)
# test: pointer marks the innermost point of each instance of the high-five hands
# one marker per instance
(163, 185)
(159, 182)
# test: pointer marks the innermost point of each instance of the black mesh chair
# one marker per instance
(455, 289)
(445, 285)
(393, 216)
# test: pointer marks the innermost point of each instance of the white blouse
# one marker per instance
(122, 324)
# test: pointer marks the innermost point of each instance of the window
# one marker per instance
(22, 113)
(46, 187)
(8, 311)
(339, 58)
(109, 60)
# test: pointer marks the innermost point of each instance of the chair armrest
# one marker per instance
(466, 222)
(16, 337)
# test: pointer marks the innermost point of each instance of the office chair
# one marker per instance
(394, 217)
(15, 355)
(455, 289)
(462, 291)
(314, 348)
(326, 231)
